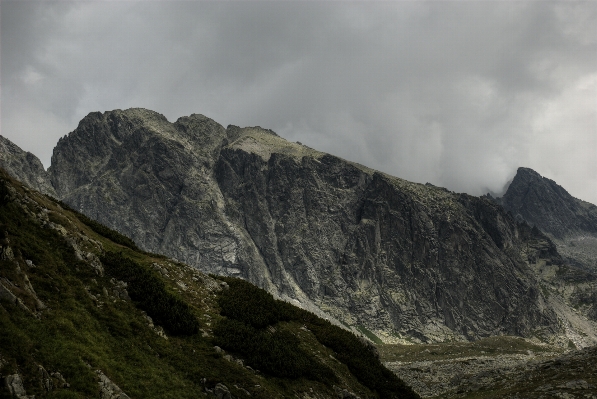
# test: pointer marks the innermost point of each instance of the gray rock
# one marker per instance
(221, 391)
(543, 203)
(345, 394)
(569, 221)
(25, 167)
(45, 380)
(6, 253)
(7, 295)
(109, 390)
(61, 381)
(14, 384)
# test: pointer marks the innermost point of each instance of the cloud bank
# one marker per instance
(458, 94)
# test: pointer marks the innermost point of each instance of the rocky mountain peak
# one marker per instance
(106, 140)
(545, 204)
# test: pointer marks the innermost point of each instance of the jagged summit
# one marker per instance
(547, 205)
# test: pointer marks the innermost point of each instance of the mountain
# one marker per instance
(84, 313)
(570, 222)
(25, 167)
(398, 261)
(543, 203)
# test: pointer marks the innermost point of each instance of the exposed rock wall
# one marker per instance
(381, 252)
(404, 260)
(24, 166)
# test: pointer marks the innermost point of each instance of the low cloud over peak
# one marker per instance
(458, 94)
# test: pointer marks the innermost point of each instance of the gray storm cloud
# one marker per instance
(458, 94)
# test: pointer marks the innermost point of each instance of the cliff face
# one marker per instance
(570, 222)
(148, 178)
(25, 167)
(404, 260)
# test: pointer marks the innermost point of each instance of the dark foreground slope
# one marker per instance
(83, 316)
(404, 260)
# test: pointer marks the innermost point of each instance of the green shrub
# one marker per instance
(150, 294)
(4, 193)
(275, 352)
(249, 309)
(251, 305)
(360, 359)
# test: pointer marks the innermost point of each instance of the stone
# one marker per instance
(14, 384)
(45, 379)
(109, 390)
(61, 381)
(221, 391)
(7, 295)
(570, 222)
(6, 253)
(343, 393)
(408, 262)
(543, 203)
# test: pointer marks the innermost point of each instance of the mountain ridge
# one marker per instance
(401, 260)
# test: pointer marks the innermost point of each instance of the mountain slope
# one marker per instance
(377, 253)
(79, 317)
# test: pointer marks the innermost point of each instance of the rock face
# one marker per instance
(543, 203)
(24, 166)
(570, 222)
(404, 260)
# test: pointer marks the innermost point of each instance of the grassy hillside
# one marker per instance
(79, 301)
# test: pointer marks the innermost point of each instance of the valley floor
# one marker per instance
(497, 367)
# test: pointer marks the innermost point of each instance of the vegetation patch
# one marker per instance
(369, 335)
(260, 309)
(149, 292)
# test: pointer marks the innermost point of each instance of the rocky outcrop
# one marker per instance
(404, 260)
(14, 385)
(24, 166)
(109, 390)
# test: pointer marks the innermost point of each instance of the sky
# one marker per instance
(458, 94)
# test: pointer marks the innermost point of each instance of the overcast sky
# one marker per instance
(458, 94)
